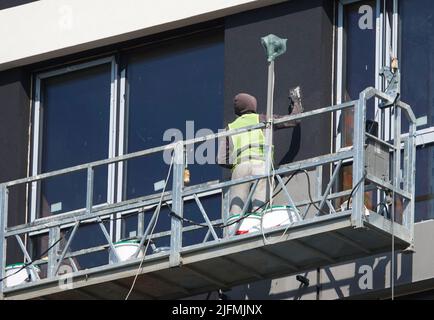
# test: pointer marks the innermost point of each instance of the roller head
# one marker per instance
(274, 46)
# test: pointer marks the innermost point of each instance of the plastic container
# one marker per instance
(161, 249)
(15, 274)
(249, 224)
(125, 250)
(279, 216)
(273, 217)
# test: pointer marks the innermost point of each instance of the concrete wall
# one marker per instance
(308, 62)
(367, 278)
(51, 28)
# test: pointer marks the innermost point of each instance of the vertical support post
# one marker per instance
(3, 224)
(177, 206)
(411, 176)
(53, 253)
(359, 160)
(396, 156)
(318, 173)
(406, 180)
(89, 190)
(140, 224)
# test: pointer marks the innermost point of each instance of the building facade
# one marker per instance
(81, 81)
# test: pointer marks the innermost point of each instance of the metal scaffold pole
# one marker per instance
(274, 47)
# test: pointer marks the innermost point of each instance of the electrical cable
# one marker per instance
(270, 206)
(355, 188)
(28, 264)
(222, 225)
(157, 213)
(384, 206)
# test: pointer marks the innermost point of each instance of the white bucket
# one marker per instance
(279, 216)
(250, 223)
(125, 251)
(15, 274)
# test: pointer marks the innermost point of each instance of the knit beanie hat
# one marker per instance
(244, 103)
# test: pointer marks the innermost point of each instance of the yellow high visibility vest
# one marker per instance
(250, 145)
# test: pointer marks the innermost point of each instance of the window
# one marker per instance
(358, 69)
(73, 121)
(366, 37)
(424, 208)
(409, 36)
(365, 40)
(417, 89)
(176, 85)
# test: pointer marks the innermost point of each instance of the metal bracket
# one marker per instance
(393, 80)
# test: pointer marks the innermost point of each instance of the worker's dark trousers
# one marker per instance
(239, 193)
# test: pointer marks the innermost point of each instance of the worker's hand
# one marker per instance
(290, 105)
(295, 106)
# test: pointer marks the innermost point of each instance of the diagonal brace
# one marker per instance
(330, 184)
(62, 256)
(26, 254)
(205, 216)
(109, 241)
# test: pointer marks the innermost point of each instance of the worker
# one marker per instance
(244, 153)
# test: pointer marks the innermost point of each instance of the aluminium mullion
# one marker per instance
(121, 166)
(339, 71)
(36, 148)
(111, 169)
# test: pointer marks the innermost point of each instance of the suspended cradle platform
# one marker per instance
(223, 264)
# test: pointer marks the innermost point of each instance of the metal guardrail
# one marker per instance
(53, 225)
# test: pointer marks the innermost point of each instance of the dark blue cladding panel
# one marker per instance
(177, 87)
(308, 27)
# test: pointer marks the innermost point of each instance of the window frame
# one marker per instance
(388, 34)
(381, 29)
(37, 132)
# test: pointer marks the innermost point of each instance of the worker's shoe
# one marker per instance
(295, 105)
